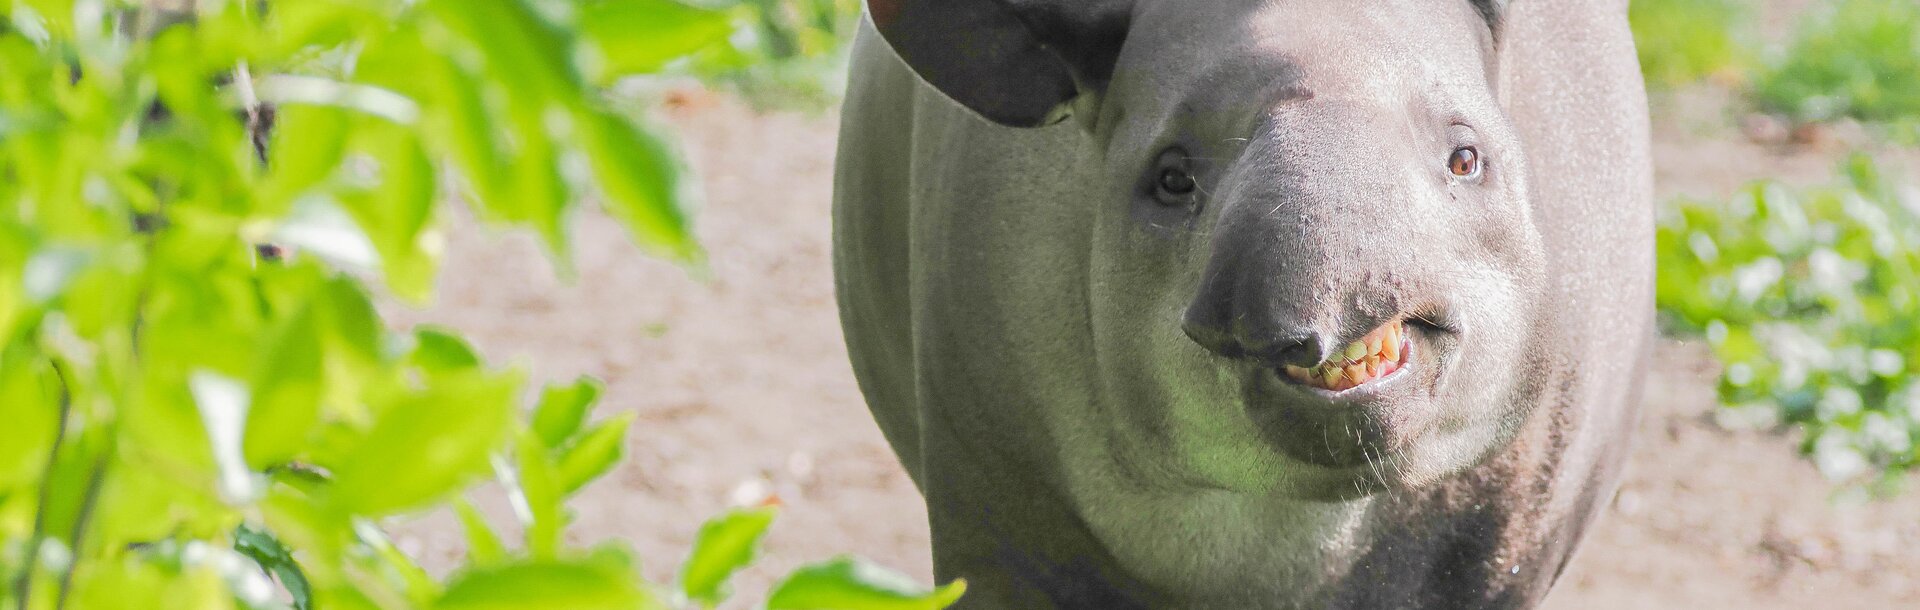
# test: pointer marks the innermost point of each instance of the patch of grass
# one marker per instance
(1681, 42)
(1811, 300)
(1859, 59)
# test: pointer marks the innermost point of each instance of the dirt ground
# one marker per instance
(742, 389)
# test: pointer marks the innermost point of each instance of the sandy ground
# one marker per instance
(742, 388)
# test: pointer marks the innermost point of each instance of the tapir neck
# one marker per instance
(1478, 539)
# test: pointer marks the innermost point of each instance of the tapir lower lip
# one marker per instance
(1362, 393)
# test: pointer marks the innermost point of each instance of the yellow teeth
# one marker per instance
(1357, 372)
(1357, 350)
(1298, 373)
(1372, 357)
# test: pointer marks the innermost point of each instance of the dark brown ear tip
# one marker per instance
(883, 12)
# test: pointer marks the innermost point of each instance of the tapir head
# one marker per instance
(1317, 274)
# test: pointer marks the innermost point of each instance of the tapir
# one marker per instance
(1249, 303)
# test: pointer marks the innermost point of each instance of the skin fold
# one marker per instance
(1080, 366)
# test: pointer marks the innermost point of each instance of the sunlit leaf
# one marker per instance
(724, 545)
(460, 126)
(544, 195)
(439, 350)
(522, 50)
(395, 213)
(849, 583)
(483, 545)
(640, 181)
(538, 496)
(562, 408)
(596, 452)
(416, 585)
(541, 585)
(288, 388)
(637, 36)
(29, 409)
(136, 585)
(427, 446)
(308, 144)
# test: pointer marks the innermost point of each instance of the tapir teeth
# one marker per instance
(1371, 357)
(1357, 350)
(1299, 373)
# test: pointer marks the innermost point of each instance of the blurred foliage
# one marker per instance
(1852, 58)
(1681, 42)
(192, 420)
(1811, 300)
(787, 54)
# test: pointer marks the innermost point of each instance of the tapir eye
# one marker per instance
(1176, 181)
(1464, 162)
(1171, 180)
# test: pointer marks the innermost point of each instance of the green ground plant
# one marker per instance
(1856, 58)
(1681, 42)
(191, 419)
(1811, 300)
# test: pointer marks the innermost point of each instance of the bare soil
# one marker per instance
(742, 389)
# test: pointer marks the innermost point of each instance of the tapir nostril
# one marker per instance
(1298, 350)
(1212, 337)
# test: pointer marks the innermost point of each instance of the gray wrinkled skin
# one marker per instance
(1080, 377)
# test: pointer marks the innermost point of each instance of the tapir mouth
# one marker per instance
(1375, 357)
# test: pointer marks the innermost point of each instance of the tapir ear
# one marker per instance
(1014, 62)
(1494, 11)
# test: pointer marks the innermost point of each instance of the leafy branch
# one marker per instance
(195, 420)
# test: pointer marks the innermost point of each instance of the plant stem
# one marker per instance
(24, 582)
(94, 480)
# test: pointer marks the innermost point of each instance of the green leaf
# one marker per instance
(29, 409)
(639, 179)
(563, 408)
(308, 144)
(440, 350)
(288, 386)
(594, 454)
(640, 36)
(521, 49)
(419, 587)
(848, 583)
(139, 585)
(395, 214)
(351, 346)
(275, 558)
(543, 194)
(300, 26)
(483, 546)
(725, 544)
(459, 125)
(427, 446)
(535, 481)
(542, 585)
